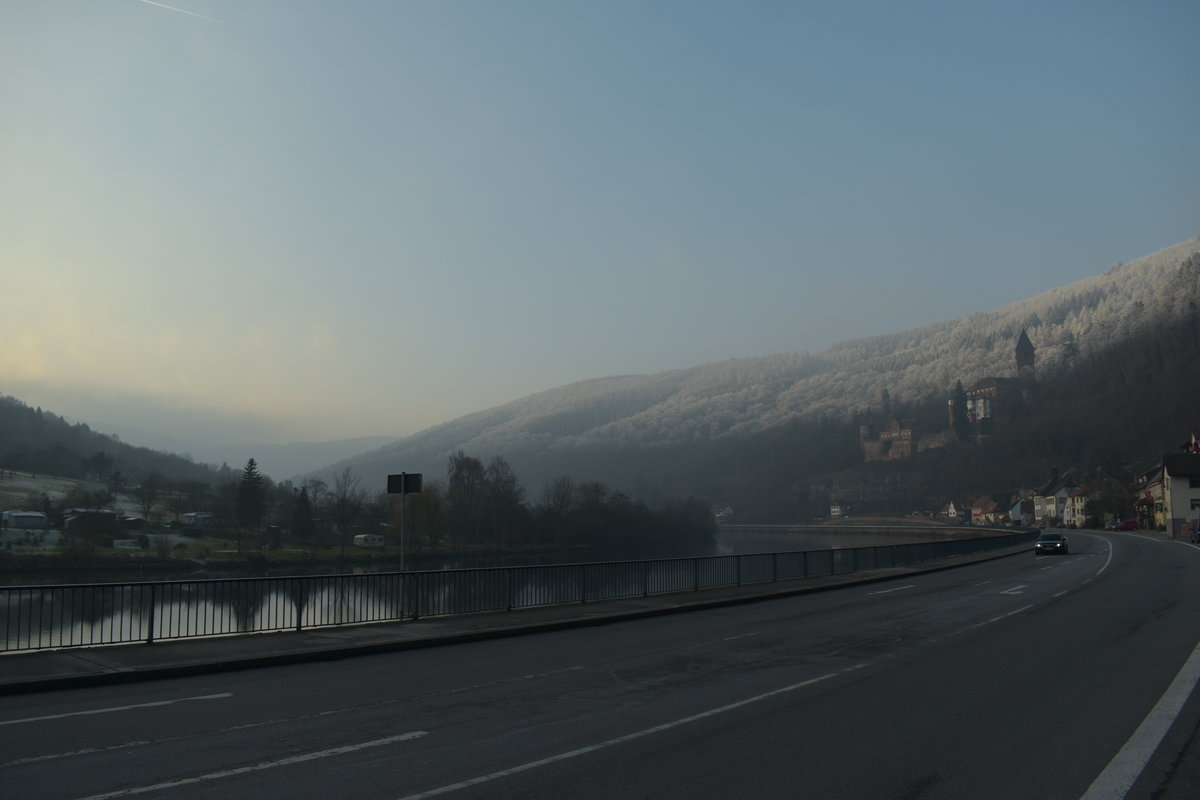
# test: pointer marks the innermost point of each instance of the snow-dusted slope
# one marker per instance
(748, 395)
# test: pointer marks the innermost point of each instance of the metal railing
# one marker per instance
(80, 615)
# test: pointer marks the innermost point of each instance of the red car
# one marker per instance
(1127, 525)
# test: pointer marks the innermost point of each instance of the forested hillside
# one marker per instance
(634, 431)
(39, 441)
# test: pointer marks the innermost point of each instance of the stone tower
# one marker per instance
(1025, 357)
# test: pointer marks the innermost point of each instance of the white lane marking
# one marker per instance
(538, 675)
(283, 762)
(997, 619)
(541, 762)
(87, 751)
(1126, 766)
(1107, 561)
(1064, 591)
(115, 709)
(896, 589)
(1016, 589)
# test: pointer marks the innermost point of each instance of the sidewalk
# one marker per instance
(90, 666)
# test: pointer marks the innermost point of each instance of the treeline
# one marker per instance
(485, 508)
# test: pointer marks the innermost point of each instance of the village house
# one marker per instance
(1181, 492)
(984, 510)
(1050, 501)
(1150, 503)
(1074, 512)
(1021, 512)
(956, 511)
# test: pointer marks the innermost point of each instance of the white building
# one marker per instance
(1181, 492)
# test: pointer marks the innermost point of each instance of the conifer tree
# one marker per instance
(303, 527)
(251, 499)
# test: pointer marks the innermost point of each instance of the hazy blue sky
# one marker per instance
(287, 220)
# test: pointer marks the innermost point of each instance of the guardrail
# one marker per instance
(81, 615)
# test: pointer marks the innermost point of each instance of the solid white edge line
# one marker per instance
(1126, 766)
(541, 762)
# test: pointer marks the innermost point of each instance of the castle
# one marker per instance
(973, 413)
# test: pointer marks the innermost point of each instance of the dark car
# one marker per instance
(1050, 542)
(1127, 525)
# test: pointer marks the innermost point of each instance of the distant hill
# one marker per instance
(278, 461)
(633, 431)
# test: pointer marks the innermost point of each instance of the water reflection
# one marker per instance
(59, 616)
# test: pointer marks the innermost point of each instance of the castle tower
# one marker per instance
(1025, 357)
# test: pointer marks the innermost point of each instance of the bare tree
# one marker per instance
(505, 501)
(346, 502)
(468, 479)
(148, 495)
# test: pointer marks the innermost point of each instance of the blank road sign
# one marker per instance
(404, 483)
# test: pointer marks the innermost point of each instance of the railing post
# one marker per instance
(739, 569)
(774, 567)
(416, 596)
(150, 626)
(508, 577)
(696, 574)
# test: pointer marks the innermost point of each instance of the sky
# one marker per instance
(301, 220)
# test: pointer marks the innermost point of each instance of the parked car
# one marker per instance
(1051, 542)
(1127, 525)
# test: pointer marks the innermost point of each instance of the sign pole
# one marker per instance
(403, 484)
(402, 498)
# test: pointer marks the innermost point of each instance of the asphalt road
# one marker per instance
(1023, 677)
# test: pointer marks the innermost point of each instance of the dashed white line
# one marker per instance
(541, 762)
(997, 619)
(894, 589)
(283, 762)
(115, 709)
